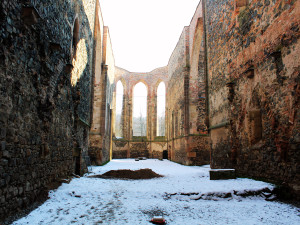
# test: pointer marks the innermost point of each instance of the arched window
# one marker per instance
(75, 37)
(119, 110)
(139, 120)
(161, 105)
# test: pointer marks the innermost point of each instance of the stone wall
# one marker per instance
(134, 148)
(100, 138)
(44, 103)
(253, 61)
(188, 141)
(110, 87)
(99, 94)
(177, 107)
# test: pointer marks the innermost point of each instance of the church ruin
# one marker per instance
(232, 95)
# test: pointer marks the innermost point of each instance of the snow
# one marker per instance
(105, 201)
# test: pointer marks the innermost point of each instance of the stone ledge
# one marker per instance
(222, 174)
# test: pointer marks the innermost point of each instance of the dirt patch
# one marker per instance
(129, 174)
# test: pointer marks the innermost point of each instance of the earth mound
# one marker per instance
(129, 174)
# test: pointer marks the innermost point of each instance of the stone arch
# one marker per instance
(160, 121)
(155, 111)
(143, 123)
(75, 36)
(197, 87)
(119, 109)
(136, 82)
(197, 47)
(97, 73)
(157, 84)
(123, 81)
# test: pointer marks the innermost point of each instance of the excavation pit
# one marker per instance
(128, 174)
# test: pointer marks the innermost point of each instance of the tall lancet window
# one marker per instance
(161, 106)
(119, 110)
(139, 120)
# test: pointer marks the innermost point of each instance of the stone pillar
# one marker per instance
(98, 126)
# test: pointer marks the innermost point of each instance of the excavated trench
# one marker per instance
(128, 174)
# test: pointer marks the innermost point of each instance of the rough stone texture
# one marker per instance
(99, 94)
(139, 149)
(187, 133)
(44, 109)
(186, 138)
(235, 70)
(100, 146)
(253, 76)
(122, 154)
(134, 149)
(224, 174)
(150, 142)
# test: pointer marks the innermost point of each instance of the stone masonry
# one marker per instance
(46, 70)
(253, 76)
(150, 146)
(232, 94)
(187, 132)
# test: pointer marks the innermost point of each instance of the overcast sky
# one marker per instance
(144, 33)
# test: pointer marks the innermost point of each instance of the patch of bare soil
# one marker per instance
(129, 174)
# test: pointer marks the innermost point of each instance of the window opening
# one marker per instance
(75, 37)
(255, 126)
(119, 110)
(139, 120)
(161, 106)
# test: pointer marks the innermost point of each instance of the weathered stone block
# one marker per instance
(3, 133)
(4, 162)
(3, 146)
(6, 154)
(2, 200)
(192, 154)
(222, 174)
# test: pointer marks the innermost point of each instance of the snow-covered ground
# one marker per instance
(103, 201)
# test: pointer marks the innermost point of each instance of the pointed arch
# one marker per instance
(119, 114)
(122, 80)
(160, 109)
(140, 108)
(137, 82)
(197, 47)
(75, 37)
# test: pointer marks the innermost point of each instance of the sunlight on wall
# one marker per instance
(89, 9)
(79, 62)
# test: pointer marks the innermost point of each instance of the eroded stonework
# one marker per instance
(232, 94)
(253, 75)
(46, 72)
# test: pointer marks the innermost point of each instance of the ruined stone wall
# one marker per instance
(176, 106)
(130, 146)
(188, 141)
(120, 149)
(253, 61)
(98, 111)
(44, 103)
(110, 86)
(101, 131)
(197, 95)
(134, 149)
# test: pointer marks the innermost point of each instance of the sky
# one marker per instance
(144, 33)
